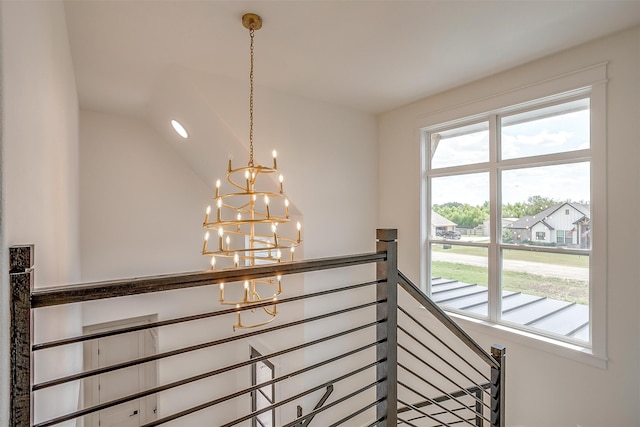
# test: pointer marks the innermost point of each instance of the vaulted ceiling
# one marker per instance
(368, 55)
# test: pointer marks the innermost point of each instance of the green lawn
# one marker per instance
(532, 284)
(543, 257)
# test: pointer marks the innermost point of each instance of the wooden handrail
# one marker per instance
(117, 288)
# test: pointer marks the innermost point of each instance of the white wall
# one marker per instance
(141, 207)
(41, 137)
(39, 172)
(330, 155)
(545, 389)
(327, 153)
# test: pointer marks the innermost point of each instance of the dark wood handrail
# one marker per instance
(117, 288)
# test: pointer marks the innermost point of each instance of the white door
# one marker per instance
(122, 382)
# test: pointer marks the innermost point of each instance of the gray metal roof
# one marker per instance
(559, 317)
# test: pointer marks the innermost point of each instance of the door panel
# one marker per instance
(104, 388)
(123, 382)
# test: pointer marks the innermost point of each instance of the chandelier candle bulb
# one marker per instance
(206, 216)
(246, 291)
(228, 240)
(279, 285)
(221, 292)
(293, 250)
(204, 245)
(236, 262)
(266, 204)
(213, 263)
(220, 235)
(239, 324)
(275, 163)
(299, 227)
(217, 188)
(275, 235)
(286, 208)
(281, 180)
(279, 255)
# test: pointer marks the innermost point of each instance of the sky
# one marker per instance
(523, 135)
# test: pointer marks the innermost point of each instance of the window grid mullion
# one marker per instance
(494, 229)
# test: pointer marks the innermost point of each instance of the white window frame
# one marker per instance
(589, 81)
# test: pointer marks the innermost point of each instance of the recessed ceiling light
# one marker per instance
(179, 128)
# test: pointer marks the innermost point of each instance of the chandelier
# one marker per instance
(246, 227)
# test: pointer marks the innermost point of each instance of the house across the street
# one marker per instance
(564, 224)
(440, 224)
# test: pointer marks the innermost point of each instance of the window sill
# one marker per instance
(549, 345)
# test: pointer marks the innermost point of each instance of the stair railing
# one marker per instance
(388, 354)
(482, 411)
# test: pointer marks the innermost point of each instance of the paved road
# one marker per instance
(551, 270)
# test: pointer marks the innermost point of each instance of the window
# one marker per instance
(565, 237)
(520, 178)
(263, 397)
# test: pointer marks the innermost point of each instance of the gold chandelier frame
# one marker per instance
(246, 221)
